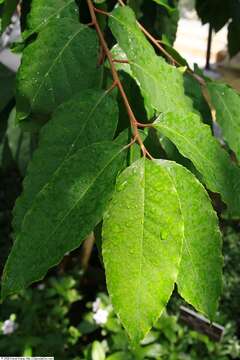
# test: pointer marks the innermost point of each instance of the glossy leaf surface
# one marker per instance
(142, 243)
(62, 215)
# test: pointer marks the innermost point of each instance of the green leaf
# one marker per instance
(226, 101)
(70, 66)
(195, 141)
(200, 274)
(63, 214)
(8, 10)
(161, 93)
(87, 118)
(42, 13)
(142, 242)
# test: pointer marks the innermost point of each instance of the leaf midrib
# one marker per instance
(68, 153)
(83, 195)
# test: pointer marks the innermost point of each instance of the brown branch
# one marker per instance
(116, 79)
(121, 61)
(158, 45)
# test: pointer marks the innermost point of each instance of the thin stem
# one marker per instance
(121, 61)
(116, 79)
(158, 45)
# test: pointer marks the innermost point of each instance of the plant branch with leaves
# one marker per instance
(102, 80)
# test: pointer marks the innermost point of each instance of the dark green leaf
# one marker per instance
(195, 141)
(8, 10)
(226, 101)
(87, 118)
(234, 37)
(7, 86)
(43, 12)
(70, 66)
(63, 214)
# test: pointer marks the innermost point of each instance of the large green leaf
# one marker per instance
(70, 65)
(63, 214)
(195, 141)
(142, 243)
(87, 118)
(42, 12)
(161, 84)
(226, 101)
(200, 274)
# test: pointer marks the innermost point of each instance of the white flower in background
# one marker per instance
(101, 316)
(41, 286)
(9, 326)
(96, 305)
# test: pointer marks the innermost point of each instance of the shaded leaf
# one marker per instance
(234, 37)
(200, 274)
(63, 214)
(226, 101)
(7, 86)
(69, 67)
(194, 91)
(161, 93)
(87, 118)
(215, 12)
(195, 141)
(165, 4)
(142, 241)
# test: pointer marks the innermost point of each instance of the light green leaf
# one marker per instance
(87, 118)
(161, 84)
(226, 101)
(63, 214)
(70, 66)
(43, 12)
(195, 141)
(200, 274)
(142, 242)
